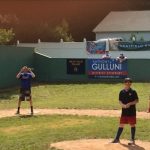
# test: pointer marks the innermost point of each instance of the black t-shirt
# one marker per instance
(126, 97)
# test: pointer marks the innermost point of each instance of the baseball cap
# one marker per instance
(128, 80)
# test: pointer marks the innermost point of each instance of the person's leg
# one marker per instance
(21, 98)
(133, 130)
(123, 121)
(119, 132)
(19, 104)
(29, 98)
(132, 122)
(31, 106)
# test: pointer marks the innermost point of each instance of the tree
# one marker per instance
(8, 20)
(62, 32)
(6, 35)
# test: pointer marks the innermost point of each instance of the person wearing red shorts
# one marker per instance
(128, 99)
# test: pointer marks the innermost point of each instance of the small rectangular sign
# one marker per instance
(75, 66)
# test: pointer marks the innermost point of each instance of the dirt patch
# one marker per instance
(100, 144)
(82, 112)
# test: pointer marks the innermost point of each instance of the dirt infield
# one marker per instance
(87, 112)
(100, 144)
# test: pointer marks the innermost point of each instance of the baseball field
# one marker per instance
(71, 117)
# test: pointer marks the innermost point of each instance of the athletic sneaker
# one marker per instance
(17, 112)
(116, 141)
(132, 142)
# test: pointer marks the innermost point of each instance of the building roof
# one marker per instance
(123, 21)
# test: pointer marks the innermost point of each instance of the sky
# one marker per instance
(32, 18)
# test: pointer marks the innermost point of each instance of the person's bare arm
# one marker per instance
(133, 103)
(19, 74)
(32, 74)
(123, 105)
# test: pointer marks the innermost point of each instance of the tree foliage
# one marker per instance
(62, 31)
(6, 35)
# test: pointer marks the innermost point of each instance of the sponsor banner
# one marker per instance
(145, 45)
(107, 68)
(94, 47)
(75, 66)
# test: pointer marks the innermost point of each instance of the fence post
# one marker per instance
(17, 42)
(61, 41)
(84, 40)
(39, 41)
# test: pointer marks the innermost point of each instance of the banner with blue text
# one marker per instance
(107, 68)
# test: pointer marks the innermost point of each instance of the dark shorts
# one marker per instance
(25, 94)
(128, 120)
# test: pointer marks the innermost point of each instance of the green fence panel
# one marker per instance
(139, 69)
(12, 58)
(48, 69)
(54, 70)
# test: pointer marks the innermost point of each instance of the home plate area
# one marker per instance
(100, 144)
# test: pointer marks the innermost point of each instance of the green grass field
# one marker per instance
(79, 96)
(37, 132)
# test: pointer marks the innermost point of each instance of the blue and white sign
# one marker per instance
(131, 46)
(107, 68)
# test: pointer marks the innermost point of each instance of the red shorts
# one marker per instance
(128, 120)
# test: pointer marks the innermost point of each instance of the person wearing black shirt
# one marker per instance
(128, 99)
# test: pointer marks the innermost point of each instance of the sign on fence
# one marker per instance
(107, 68)
(94, 47)
(75, 66)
